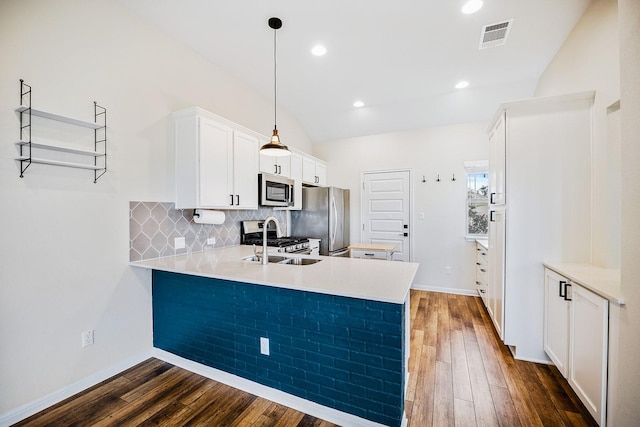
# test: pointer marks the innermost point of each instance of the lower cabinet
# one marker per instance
(576, 337)
(482, 272)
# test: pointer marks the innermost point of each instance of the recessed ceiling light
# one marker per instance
(472, 6)
(462, 84)
(358, 104)
(319, 50)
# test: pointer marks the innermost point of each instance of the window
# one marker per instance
(477, 203)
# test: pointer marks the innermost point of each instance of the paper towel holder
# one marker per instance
(199, 213)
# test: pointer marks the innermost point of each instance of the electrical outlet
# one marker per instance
(211, 241)
(179, 243)
(421, 215)
(447, 270)
(87, 338)
(264, 346)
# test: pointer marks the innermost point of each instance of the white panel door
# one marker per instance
(556, 320)
(386, 208)
(216, 160)
(589, 338)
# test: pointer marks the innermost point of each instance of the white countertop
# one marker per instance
(603, 281)
(373, 247)
(348, 277)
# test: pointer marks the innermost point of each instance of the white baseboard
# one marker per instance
(35, 406)
(306, 406)
(468, 292)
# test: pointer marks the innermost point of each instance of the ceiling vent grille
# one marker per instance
(495, 34)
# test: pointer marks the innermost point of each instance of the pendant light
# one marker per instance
(275, 147)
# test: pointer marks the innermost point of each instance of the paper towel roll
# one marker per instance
(203, 216)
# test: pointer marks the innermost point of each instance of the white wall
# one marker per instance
(439, 239)
(589, 60)
(64, 252)
(626, 409)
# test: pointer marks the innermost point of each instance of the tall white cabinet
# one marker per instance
(216, 162)
(540, 188)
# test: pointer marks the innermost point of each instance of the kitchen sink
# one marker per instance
(275, 259)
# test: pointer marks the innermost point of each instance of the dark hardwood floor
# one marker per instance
(460, 375)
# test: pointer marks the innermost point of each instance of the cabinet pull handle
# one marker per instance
(561, 283)
(565, 292)
(238, 199)
(231, 199)
(491, 198)
(483, 270)
(369, 254)
(477, 263)
(279, 170)
(491, 216)
(275, 171)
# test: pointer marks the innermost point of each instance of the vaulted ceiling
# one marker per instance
(401, 58)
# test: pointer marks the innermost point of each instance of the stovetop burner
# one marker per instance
(251, 233)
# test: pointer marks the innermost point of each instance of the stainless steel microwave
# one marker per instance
(275, 190)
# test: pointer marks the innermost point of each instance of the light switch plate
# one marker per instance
(264, 346)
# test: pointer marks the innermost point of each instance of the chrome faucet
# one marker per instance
(265, 255)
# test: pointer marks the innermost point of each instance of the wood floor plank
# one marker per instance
(251, 413)
(443, 349)
(483, 403)
(417, 338)
(544, 407)
(422, 411)
(443, 396)
(459, 367)
(464, 413)
(491, 365)
(522, 402)
(290, 418)
(505, 410)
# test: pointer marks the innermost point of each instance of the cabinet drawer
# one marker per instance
(369, 254)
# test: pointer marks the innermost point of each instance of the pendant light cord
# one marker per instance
(275, 80)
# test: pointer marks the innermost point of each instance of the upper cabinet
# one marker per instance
(216, 162)
(314, 171)
(497, 159)
(275, 165)
(296, 175)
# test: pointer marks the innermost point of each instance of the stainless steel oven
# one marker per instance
(275, 190)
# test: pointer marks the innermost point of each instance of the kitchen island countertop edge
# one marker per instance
(384, 281)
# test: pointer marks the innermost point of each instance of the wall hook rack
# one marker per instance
(424, 179)
(453, 178)
(438, 178)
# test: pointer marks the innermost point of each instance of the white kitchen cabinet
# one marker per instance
(482, 271)
(589, 350)
(497, 159)
(546, 208)
(216, 162)
(314, 171)
(497, 229)
(576, 338)
(275, 165)
(556, 320)
(296, 175)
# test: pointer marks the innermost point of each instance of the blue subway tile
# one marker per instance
(383, 419)
(366, 358)
(339, 330)
(384, 398)
(365, 313)
(308, 386)
(393, 388)
(349, 366)
(335, 352)
(365, 380)
(305, 344)
(322, 359)
(336, 374)
(384, 327)
(321, 399)
(386, 352)
(349, 387)
(347, 407)
(367, 404)
(366, 336)
(320, 379)
(318, 337)
(392, 340)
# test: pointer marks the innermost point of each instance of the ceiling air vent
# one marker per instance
(495, 34)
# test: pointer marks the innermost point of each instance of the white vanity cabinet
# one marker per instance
(314, 171)
(576, 338)
(216, 162)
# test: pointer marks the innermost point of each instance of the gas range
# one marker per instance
(251, 234)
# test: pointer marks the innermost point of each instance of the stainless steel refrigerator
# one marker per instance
(324, 216)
